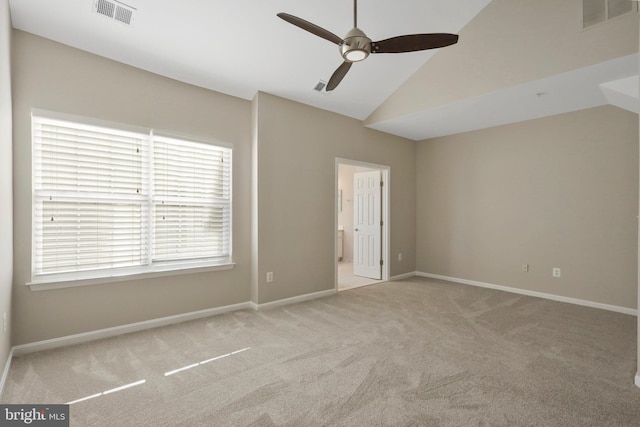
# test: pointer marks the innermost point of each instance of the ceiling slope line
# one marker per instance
(562, 93)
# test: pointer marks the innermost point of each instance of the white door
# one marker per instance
(367, 214)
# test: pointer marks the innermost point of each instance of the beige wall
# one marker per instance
(297, 147)
(6, 191)
(555, 192)
(52, 76)
(287, 205)
(511, 42)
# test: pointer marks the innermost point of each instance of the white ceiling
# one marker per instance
(588, 87)
(241, 47)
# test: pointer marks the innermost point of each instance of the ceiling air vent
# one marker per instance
(320, 85)
(114, 10)
(597, 11)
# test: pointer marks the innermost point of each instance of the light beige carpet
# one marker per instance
(412, 353)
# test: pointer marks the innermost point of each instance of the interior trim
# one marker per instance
(592, 304)
(84, 337)
(292, 300)
(138, 274)
(5, 373)
(386, 213)
(403, 276)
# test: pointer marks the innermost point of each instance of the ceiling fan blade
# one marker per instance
(414, 42)
(338, 75)
(312, 28)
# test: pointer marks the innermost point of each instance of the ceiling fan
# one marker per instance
(356, 46)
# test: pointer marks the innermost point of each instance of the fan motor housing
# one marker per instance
(356, 46)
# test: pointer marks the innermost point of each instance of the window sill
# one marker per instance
(60, 283)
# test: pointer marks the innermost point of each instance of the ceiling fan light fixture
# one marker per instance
(356, 46)
(356, 55)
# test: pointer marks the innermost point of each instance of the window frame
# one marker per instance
(149, 269)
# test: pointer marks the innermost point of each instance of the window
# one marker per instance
(597, 11)
(113, 202)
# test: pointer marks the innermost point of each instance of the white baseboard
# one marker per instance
(84, 337)
(292, 300)
(553, 297)
(403, 276)
(147, 324)
(5, 373)
(123, 329)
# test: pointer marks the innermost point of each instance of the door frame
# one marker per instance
(386, 214)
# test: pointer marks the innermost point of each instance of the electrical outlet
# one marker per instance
(556, 272)
(525, 268)
(270, 277)
(400, 256)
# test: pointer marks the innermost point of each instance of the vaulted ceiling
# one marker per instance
(516, 59)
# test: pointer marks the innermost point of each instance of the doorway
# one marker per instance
(361, 219)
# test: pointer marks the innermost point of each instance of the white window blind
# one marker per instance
(191, 200)
(107, 199)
